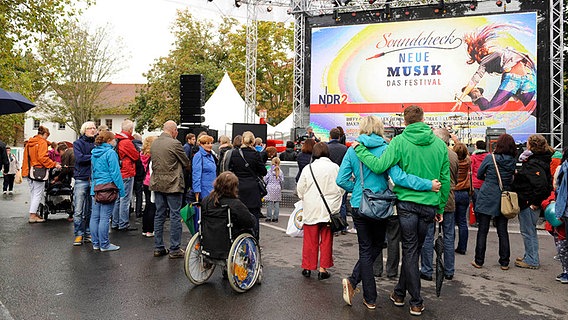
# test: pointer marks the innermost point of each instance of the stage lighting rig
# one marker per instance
(340, 3)
(499, 3)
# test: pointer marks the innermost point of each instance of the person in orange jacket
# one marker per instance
(35, 155)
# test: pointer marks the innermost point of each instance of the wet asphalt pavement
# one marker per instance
(42, 276)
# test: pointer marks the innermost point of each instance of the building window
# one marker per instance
(36, 124)
(108, 123)
(62, 126)
(97, 123)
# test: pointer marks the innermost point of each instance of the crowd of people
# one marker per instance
(165, 175)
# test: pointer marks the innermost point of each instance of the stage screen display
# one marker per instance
(467, 73)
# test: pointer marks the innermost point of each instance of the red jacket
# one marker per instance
(476, 160)
(127, 154)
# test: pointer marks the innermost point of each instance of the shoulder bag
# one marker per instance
(106, 193)
(37, 173)
(337, 222)
(509, 200)
(376, 205)
(259, 181)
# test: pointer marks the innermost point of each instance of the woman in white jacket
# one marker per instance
(318, 237)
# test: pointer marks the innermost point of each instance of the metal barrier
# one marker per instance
(289, 170)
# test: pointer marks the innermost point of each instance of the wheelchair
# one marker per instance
(240, 256)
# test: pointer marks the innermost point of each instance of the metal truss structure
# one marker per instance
(556, 74)
(303, 9)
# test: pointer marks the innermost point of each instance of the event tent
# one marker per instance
(226, 106)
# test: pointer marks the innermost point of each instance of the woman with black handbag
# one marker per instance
(35, 167)
(371, 232)
(106, 172)
(246, 164)
(322, 198)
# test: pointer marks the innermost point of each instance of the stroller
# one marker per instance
(58, 193)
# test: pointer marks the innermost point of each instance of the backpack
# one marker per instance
(225, 162)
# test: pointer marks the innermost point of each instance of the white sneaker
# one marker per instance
(5, 192)
(10, 192)
(352, 230)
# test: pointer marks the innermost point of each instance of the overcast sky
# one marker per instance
(144, 26)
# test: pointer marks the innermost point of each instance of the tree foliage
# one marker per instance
(204, 48)
(24, 24)
(81, 61)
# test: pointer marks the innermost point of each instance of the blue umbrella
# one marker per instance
(13, 102)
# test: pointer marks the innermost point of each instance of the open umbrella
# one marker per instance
(439, 248)
(13, 102)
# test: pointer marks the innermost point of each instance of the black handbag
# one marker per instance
(376, 205)
(259, 181)
(337, 222)
(37, 173)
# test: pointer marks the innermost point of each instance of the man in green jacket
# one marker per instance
(417, 151)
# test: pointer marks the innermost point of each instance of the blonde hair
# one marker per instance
(224, 139)
(370, 125)
(248, 139)
(147, 144)
(276, 163)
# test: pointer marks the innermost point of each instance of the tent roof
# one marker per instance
(226, 106)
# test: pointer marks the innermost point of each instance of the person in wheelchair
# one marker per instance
(214, 216)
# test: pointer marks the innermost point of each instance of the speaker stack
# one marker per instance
(192, 98)
(491, 136)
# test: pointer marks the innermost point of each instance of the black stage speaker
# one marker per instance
(491, 136)
(192, 98)
(259, 130)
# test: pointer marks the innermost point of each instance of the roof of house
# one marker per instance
(117, 97)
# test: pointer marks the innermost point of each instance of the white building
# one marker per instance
(115, 97)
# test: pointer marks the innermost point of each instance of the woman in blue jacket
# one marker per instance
(105, 169)
(488, 203)
(204, 168)
(370, 232)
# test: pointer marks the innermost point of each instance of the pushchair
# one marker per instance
(240, 255)
(58, 193)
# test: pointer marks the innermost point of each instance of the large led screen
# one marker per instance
(467, 73)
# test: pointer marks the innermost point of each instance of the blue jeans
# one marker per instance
(414, 222)
(121, 212)
(393, 249)
(462, 206)
(100, 220)
(481, 244)
(272, 209)
(371, 236)
(173, 202)
(448, 234)
(82, 203)
(528, 219)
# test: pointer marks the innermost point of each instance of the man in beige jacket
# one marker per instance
(167, 181)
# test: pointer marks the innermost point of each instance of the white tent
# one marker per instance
(226, 106)
(282, 130)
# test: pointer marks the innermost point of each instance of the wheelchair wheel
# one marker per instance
(197, 270)
(244, 263)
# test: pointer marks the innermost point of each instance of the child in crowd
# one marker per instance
(273, 180)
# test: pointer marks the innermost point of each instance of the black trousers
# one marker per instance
(9, 182)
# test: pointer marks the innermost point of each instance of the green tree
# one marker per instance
(81, 60)
(198, 49)
(24, 24)
(202, 48)
(275, 65)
